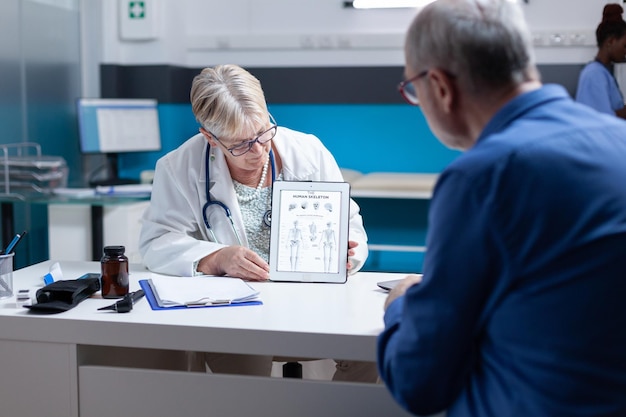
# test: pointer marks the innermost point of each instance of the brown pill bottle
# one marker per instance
(114, 279)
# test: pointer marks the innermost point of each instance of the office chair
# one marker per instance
(292, 370)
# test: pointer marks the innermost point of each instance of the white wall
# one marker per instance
(200, 33)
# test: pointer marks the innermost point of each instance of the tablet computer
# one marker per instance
(309, 231)
(391, 284)
(388, 285)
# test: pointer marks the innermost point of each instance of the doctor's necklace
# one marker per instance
(255, 194)
(257, 208)
(249, 200)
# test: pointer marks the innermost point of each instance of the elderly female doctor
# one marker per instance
(211, 195)
(239, 152)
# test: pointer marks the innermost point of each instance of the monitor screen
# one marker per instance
(118, 125)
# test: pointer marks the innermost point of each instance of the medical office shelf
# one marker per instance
(392, 186)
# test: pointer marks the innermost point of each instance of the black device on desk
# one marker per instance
(63, 295)
(125, 304)
(114, 126)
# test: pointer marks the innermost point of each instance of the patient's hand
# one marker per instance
(401, 288)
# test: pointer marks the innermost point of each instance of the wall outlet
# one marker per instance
(563, 38)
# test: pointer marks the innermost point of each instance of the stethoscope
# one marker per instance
(267, 217)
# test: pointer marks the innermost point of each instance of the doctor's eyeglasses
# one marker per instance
(245, 146)
(407, 89)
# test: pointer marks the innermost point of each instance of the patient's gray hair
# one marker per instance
(228, 101)
(485, 44)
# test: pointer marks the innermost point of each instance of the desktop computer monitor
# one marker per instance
(114, 126)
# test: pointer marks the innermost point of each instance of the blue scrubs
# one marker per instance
(598, 89)
(522, 309)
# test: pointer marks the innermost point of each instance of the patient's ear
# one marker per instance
(444, 88)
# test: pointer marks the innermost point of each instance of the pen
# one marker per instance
(11, 244)
(125, 304)
(18, 237)
(4, 285)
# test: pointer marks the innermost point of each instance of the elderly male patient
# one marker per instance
(521, 309)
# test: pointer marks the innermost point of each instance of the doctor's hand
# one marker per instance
(235, 261)
(401, 288)
(351, 245)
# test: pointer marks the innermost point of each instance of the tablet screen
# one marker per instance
(309, 232)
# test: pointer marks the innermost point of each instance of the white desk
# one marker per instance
(47, 365)
(79, 230)
(79, 227)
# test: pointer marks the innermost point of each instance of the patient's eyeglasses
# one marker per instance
(407, 89)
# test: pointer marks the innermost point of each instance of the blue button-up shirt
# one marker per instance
(522, 308)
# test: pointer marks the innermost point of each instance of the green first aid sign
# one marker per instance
(136, 9)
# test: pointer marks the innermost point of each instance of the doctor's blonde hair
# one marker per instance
(228, 101)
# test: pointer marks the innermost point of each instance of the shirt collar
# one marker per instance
(520, 105)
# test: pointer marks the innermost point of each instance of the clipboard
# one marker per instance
(156, 303)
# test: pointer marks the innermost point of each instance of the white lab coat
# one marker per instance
(174, 237)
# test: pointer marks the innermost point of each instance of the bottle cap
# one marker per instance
(114, 250)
